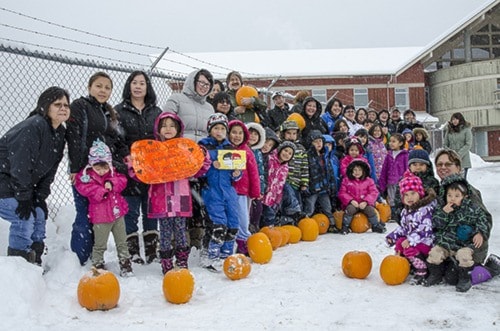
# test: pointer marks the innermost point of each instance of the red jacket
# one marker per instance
(357, 190)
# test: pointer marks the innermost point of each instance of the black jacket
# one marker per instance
(276, 116)
(30, 153)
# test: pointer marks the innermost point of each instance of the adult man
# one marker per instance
(280, 112)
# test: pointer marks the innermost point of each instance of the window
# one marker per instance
(401, 98)
(360, 97)
(319, 95)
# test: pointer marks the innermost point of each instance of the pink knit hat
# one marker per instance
(410, 182)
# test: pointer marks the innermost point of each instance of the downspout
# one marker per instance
(387, 90)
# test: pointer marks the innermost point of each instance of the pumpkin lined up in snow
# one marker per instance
(259, 248)
(178, 285)
(274, 236)
(285, 235)
(384, 211)
(357, 264)
(246, 92)
(359, 223)
(98, 290)
(237, 266)
(338, 216)
(323, 222)
(394, 269)
(309, 228)
(295, 233)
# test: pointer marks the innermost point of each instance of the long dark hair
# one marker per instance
(150, 98)
(47, 97)
(100, 74)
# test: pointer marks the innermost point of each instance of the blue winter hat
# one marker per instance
(419, 155)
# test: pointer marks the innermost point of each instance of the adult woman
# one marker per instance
(312, 116)
(222, 104)
(333, 112)
(91, 118)
(137, 113)
(191, 105)
(349, 116)
(458, 137)
(361, 115)
(217, 88)
(30, 153)
(252, 108)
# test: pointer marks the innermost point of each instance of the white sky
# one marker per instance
(212, 26)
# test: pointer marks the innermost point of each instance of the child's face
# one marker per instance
(368, 125)
(353, 151)
(410, 198)
(290, 135)
(454, 197)
(218, 132)
(254, 137)
(418, 167)
(329, 146)
(101, 169)
(363, 139)
(285, 154)
(419, 136)
(168, 130)
(343, 127)
(318, 144)
(377, 133)
(236, 135)
(408, 136)
(268, 146)
(394, 144)
(357, 172)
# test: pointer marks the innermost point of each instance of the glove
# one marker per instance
(43, 206)
(25, 209)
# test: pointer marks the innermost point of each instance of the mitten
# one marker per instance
(25, 209)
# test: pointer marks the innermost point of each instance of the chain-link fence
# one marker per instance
(26, 74)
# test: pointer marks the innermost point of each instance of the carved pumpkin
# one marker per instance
(309, 228)
(237, 266)
(285, 235)
(338, 216)
(246, 92)
(259, 248)
(357, 264)
(360, 223)
(394, 269)
(295, 233)
(384, 211)
(274, 236)
(178, 285)
(297, 118)
(323, 222)
(98, 290)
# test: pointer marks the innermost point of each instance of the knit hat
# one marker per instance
(410, 182)
(286, 144)
(217, 118)
(405, 131)
(419, 155)
(289, 125)
(270, 134)
(354, 141)
(277, 94)
(316, 134)
(99, 152)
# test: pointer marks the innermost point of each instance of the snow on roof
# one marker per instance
(294, 63)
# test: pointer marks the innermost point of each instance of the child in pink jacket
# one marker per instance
(101, 185)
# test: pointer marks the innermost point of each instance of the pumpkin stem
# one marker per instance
(95, 272)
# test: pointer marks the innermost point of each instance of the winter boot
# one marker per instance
(181, 257)
(150, 245)
(166, 261)
(377, 226)
(228, 245)
(493, 265)
(213, 261)
(464, 283)
(133, 248)
(29, 256)
(38, 247)
(126, 268)
(451, 271)
(420, 270)
(241, 246)
(346, 224)
(436, 272)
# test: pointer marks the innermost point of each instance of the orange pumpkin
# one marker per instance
(360, 223)
(237, 266)
(384, 211)
(297, 118)
(246, 92)
(323, 222)
(274, 236)
(285, 235)
(98, 290)
(357, 264)
(259, 248)
(178, 285)
(394, 269)
(309, 228)
(295, 233)
(338, 216)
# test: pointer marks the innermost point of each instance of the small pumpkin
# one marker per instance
(274, 236)
(246, 92)
(394, 269)
(384, 211)
(323, 222)
(297, 118)
(285, 235)
(237, 266)
(338, 216)
(178, 285)
(359, 223)
(98, 290)
(357, 264)
(309, 228)
(295, 233)
(260, 248)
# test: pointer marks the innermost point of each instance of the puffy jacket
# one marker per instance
(379, 154)
(393, 169)
(278, 173)
(358, 190)
(460, 140)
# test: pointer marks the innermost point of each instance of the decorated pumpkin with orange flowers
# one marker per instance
(98, 290)
(357, 264)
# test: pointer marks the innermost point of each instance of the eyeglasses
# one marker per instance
(60, 105)
(225, 102)
(203, 84)
(444, 164)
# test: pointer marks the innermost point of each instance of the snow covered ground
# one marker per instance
(302, 288)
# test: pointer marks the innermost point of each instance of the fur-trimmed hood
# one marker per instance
(246, 134)
(423, 131)
(262, 134)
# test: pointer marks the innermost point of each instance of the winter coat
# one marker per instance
(192, 108)
(276, 116)
(330, 120)
(249, 183)
(172, 199)
(253, 114)
(312, 123)
(424, 143)
(416, 222)
(90, 120)
(393, 169)
(259, 157)
(321, 172)
(276, 180)
(358, 190)
(104, 206)
(379, 154)
(347, 159)
(137, 125)
(353, 126)
(460, 140)
(30, 153)
(403, 125)
(298, 168)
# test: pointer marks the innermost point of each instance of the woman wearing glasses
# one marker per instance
(191, 104)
